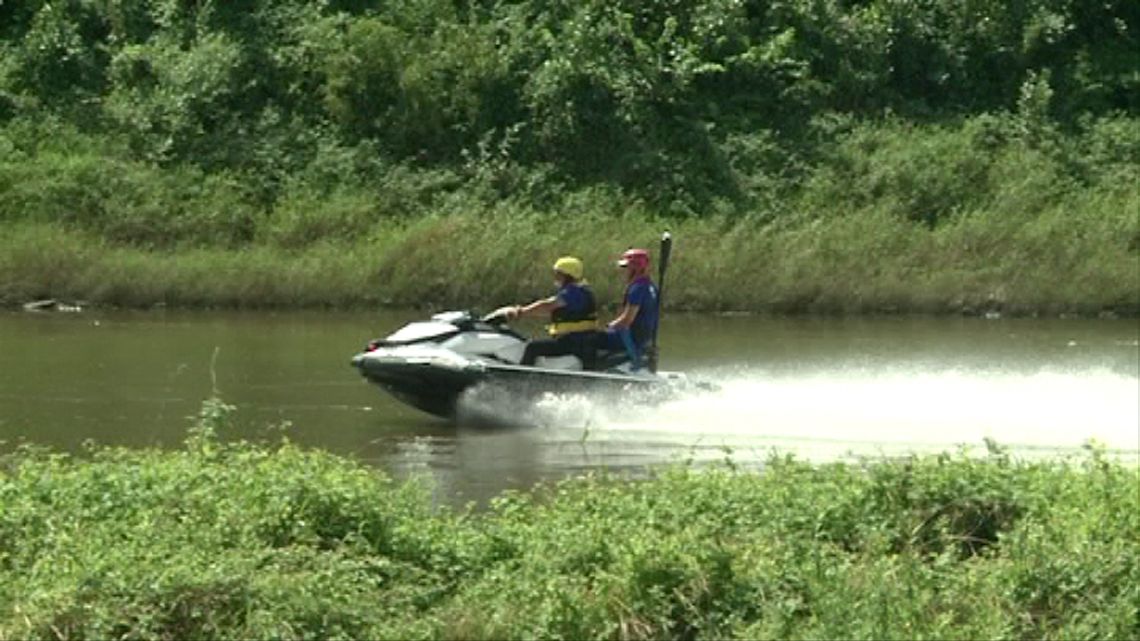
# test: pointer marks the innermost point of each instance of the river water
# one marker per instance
(819, 388)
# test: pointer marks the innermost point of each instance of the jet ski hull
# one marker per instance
(431, 364)
(435, 388)
(425, 386)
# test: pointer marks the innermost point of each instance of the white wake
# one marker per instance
(826, 415)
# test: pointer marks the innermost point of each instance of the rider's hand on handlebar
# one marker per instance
(510, 312)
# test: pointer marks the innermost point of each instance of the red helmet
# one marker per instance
(638, 258)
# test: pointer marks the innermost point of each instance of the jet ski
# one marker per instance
(430, 364)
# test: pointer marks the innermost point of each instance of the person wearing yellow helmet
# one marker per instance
(573, 316)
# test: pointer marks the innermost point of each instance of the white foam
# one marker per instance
(827, 414)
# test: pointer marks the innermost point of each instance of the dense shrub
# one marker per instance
(238, 540)
(651, 97)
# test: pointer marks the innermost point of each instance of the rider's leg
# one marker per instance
(630, 348)
(621, 340)
(536, 348)
(585, 346)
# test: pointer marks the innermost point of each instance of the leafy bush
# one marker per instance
(181, 103)
(651, 98)
(59, 60)
(127, 202)
(238, 540)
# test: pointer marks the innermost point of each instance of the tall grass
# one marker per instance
(892, 217)
(239, 540)
(1059, 261)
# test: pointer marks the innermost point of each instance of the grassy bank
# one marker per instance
(239, 540)
(869, 262)
(889, 217)
(812, 157)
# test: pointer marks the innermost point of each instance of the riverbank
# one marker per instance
(984, 215)
(810, 158)
(239, 540)
(1075, 258)
(868, 264)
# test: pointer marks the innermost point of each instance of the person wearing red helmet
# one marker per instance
(634, 326)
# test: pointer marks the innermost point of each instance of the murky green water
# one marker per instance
(820, 388)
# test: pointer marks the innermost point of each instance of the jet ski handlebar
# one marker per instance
(499, 316)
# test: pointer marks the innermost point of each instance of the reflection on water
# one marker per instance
(819, 388)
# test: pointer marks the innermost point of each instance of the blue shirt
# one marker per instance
(576, 301)
(643, 293)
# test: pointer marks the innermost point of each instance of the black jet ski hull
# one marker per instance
(436, 389)
(424, 386)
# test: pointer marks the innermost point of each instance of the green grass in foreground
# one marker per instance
(244, 541)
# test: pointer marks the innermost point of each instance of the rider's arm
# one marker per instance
(626, 317)
(540, 307)
(637, 295)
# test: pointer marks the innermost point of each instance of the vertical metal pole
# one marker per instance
(663, 264)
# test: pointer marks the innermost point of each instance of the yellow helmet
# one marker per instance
(570, 266)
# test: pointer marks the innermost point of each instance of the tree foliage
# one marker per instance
(660, 98)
